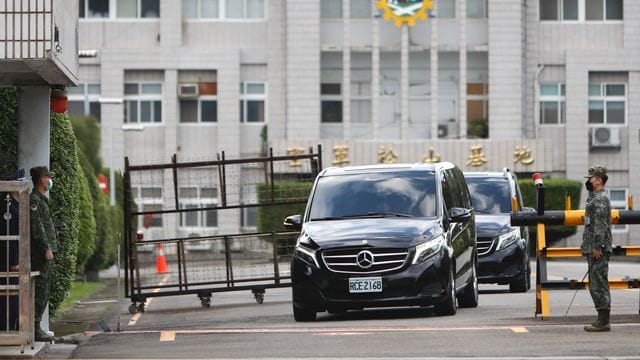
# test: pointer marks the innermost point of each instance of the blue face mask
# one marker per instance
(49, 184)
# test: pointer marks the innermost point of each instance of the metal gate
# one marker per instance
(190, 226)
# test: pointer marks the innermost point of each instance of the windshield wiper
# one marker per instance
(483, 212)
(327, 218)
(379, 214)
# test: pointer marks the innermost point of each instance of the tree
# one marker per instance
(88, 224)
(64, 201)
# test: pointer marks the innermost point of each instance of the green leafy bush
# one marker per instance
(555, 192)
(270, 218)
(64, 204)
(86, 220)
(9, 131)
(87, 132)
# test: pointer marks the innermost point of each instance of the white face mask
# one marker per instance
(49, 184)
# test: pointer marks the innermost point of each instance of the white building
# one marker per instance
(553, 80)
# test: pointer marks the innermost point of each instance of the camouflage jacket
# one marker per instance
(597, 224)
(43, 232)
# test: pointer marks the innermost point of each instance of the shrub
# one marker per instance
(270, 218)
(86, 220)
(9, 132)
(64, 204)
(87, 132)
(555, 192)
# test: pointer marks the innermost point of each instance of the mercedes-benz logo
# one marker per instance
(365, 259)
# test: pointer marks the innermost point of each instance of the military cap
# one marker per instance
(39, 171)
(598, 171)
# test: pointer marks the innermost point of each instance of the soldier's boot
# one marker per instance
(40, 335)
(602, 324)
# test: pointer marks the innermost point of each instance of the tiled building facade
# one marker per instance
(534, 85)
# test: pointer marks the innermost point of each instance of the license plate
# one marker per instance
(365, 285)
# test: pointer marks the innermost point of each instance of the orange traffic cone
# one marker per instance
(161, 261)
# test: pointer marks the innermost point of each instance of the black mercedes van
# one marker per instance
(385, 235)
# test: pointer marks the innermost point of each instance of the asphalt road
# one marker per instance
(502, 326)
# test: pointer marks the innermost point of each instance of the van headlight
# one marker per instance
(304, 250)
(509, 238)
(428, 249)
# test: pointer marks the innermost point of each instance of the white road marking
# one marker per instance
(134, 319)
(519, 330)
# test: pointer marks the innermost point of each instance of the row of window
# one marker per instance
(607, 104)
(191, 9)
(365, 9)
(143, 102)
(150, 199)
(581, 10)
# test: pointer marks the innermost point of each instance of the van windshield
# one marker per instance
(380, 194)
(489, 195)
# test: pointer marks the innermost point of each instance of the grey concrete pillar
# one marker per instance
(33, 122)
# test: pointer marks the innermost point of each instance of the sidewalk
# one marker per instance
(76, 324)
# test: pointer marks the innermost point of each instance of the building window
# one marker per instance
(197, 198)
(552, 104)
(331, 100)
(607, 103)
(142, 103)
(618, 199)
(477, 9)
(94, 8)
(603, 9)
(331, 9)
(148, 199)
(478, 110)
(581, 10)
(84, 100)
(360, 9)
(248, 215)
(244, 9)
(138, 8)
(252, 102)
(198, 102)
(446, 9)
(361, 75)
(200, 9)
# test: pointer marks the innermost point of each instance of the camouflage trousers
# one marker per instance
(599, 282)
(43, 283)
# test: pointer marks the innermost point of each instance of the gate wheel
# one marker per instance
(205, 301)
(259, 297)
(133, 308)
(141, 307)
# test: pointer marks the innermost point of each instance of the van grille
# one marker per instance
(372, 260)
(485, 245)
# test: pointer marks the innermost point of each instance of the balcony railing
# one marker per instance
(26, 29)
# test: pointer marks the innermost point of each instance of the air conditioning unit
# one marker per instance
(187, 90)
(448, 130)
(605, 137)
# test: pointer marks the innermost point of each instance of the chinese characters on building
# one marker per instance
(388, 155)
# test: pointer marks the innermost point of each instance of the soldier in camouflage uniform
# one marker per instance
(44, 244)
(596, 245)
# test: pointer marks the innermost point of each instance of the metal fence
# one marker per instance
(191, 226)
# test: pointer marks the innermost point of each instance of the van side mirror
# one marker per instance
(460, 214)
(293, 223)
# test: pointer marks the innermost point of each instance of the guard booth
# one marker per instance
(568, 217)
(188, 226)
(17, 288)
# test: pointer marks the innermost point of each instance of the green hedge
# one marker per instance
(555, 192)
(87, 132)
(88, 224)
(64, 204)
(270, 218)
(9, 131)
